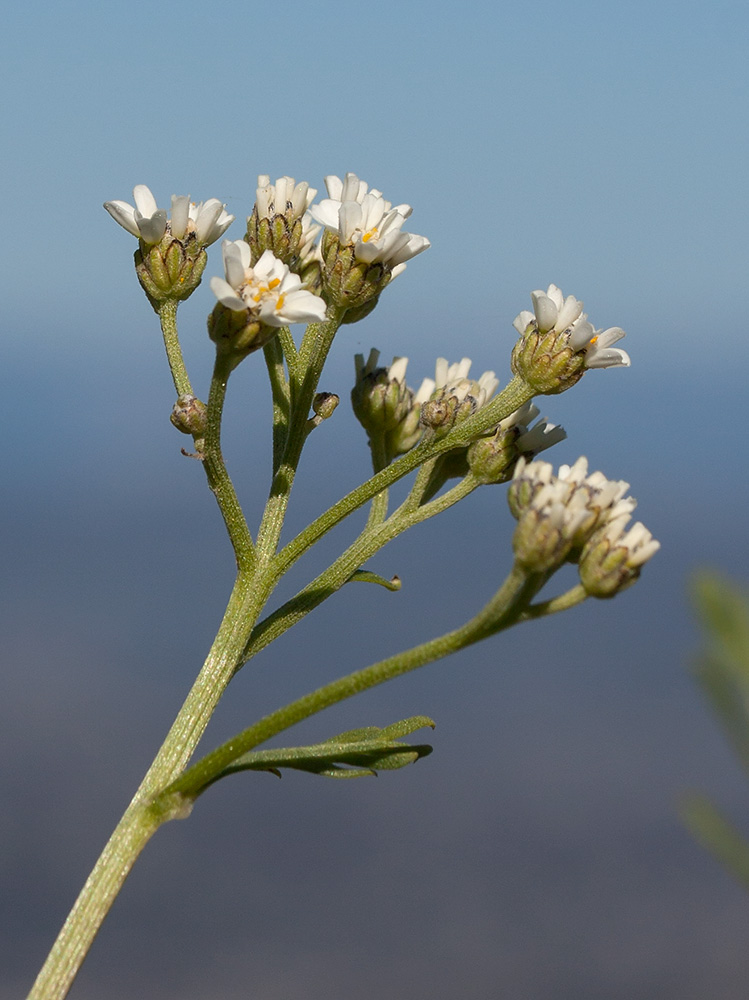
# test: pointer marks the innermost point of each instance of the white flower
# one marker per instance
(367, 221)
(599, 501)
(285, 197)
(148, 222)
(272, 292)
(553, 312)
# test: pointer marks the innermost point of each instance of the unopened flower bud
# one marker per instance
(189, 415)
(380, 397)
(324, 404)
(455, 396)
(613, 557)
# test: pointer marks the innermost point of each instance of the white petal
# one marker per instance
(144, 201)
(124, 215)
(152, 229)
(226, 295)
(522, 320)
(545, 309)
(180, 214)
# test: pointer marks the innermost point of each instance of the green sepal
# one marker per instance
(353, 754)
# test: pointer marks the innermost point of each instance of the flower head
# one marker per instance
(171, 256)
(614, 556)
(558, 343)
(492, 458)
(364, 246)
(269, 290)
(254, 302)
(385, 407)
(574, 503)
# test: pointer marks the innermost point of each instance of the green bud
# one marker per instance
(546, 362)
(189, 415)
(379, 402)
(324, 404)
(444, 412)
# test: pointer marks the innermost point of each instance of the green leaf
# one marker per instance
(365, 576)
(718, 835)
(723, 668)
(353, 754)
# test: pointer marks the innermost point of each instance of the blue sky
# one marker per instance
(600, 147)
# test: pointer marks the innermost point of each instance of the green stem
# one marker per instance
(338, 573)
(514, 395)
(168, 320)
(281, 396)
(504, 609)
(309, 364)
(140, 819)
(219, 480)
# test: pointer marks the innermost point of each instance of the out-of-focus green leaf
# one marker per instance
(723, 668)
(718, 835)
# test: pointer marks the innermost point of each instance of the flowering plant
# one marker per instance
(326, 265)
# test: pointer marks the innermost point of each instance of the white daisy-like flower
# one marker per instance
(285, 197)
(146, 221)
(553, 312)
(272, 292)
(367, 221)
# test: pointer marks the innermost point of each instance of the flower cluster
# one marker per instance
(578, 517)
(558, 343)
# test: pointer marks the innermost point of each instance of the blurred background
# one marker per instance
(537, 853)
